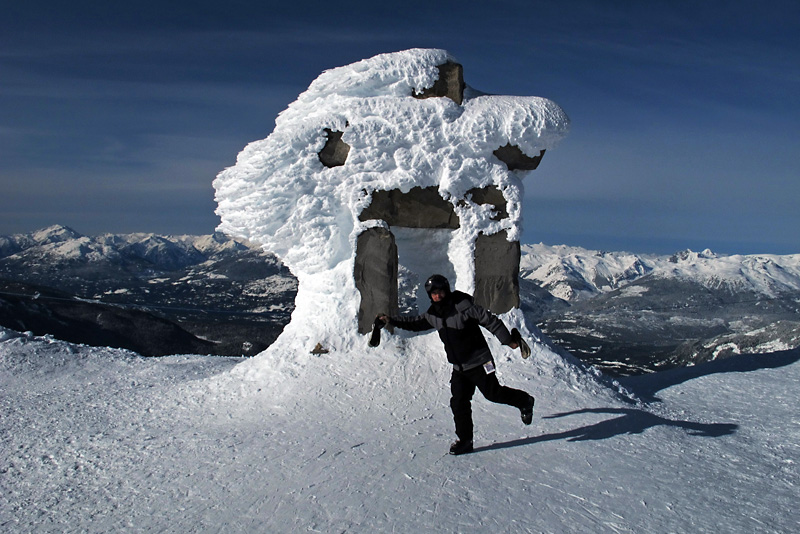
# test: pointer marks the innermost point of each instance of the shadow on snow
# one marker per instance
(646, 386)
(630, 421)
(636, 421)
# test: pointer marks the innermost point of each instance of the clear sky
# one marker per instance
(117, 116)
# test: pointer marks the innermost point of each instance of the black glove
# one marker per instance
(524, 348)
(377, 324)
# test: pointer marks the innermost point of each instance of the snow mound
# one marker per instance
(99, 440)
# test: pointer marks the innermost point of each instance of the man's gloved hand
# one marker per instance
(519, 342)
(380, 321)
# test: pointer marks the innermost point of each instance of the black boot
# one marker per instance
(527, 412)
(460, 447)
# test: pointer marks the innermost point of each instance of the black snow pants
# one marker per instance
(462, 387)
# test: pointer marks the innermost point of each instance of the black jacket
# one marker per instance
(458, 325)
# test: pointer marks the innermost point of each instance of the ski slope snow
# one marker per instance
(101, 440)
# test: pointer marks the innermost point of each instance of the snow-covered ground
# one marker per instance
(101, 440)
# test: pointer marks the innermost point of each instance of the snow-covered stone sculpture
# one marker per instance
(382, 173)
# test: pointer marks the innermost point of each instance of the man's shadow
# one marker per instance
(630, 421)
(646, 386)
(636, 421)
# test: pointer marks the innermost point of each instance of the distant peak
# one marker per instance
(689, 255)
(55, 234)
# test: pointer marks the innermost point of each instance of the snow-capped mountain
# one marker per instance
(573, 273)
(229, 297)
(627, 312)
(58, 245)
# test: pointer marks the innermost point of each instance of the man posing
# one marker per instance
(457, 318)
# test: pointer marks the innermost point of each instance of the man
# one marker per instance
(457, 318)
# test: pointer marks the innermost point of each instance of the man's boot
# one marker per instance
(460, 447)
(527, 412)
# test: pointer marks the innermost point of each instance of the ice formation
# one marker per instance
(281, 195)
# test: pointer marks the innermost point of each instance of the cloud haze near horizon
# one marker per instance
(684, 115)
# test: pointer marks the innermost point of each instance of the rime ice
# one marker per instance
(405, 124)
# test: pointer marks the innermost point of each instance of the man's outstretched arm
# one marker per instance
(494, 325)
(415, 324)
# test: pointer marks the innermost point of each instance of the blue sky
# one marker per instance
(116, 117)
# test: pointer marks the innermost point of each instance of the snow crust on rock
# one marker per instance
(282, 197)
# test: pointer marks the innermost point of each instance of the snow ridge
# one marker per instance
(574, 273)
(60, 243)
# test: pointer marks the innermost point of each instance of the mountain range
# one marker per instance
(622, 312)
(153, 294)
(632, 313)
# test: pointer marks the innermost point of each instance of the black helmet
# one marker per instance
(437, 281)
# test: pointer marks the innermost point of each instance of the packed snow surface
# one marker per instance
(102, 440)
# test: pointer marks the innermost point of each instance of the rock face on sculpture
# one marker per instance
(382, 173)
